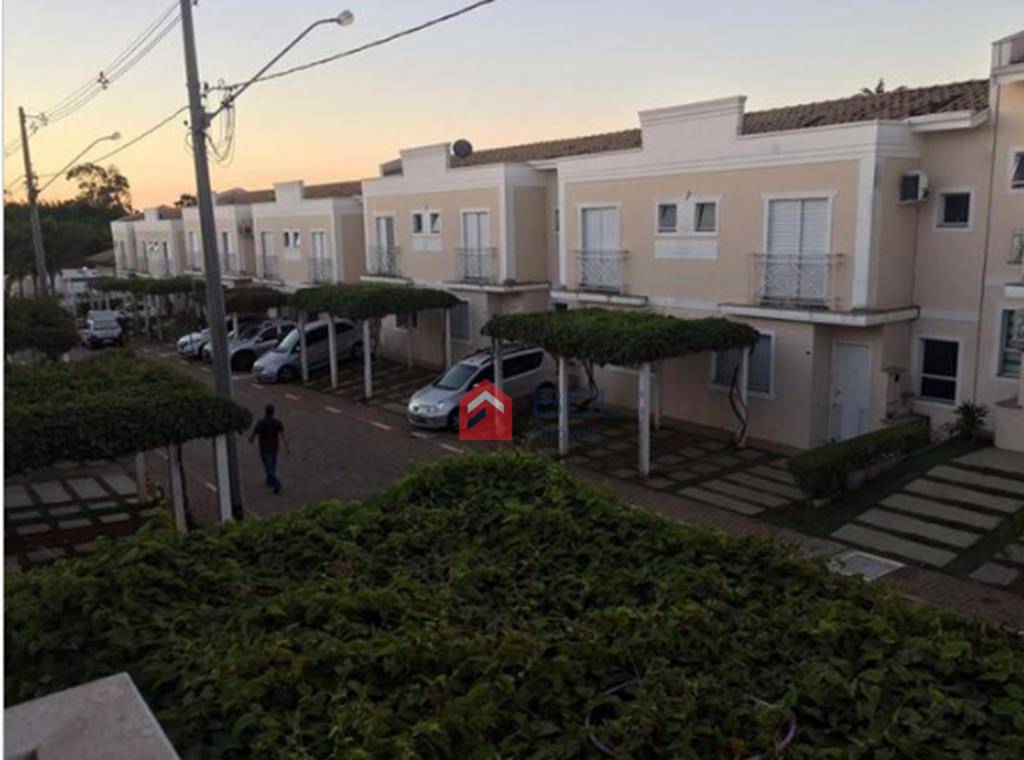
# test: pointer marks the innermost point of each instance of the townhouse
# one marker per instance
(149, 243)
(308, 234)
(472, 225)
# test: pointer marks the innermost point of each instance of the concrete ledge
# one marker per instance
(587, 296)
(823, 316)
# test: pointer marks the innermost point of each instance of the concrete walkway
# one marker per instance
(952, 509)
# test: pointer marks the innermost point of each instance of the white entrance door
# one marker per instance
(851, 390)
(599, 262)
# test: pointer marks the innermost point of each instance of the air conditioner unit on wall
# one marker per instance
(913, 187)
(245, 231)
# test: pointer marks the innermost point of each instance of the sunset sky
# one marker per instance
(513, 71)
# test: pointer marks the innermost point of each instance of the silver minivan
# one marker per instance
(282, 364)
(251, 343)
(526, 370)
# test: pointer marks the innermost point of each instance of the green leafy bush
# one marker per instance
(824, 469)
(368, 300)
(108, 406)
(970, 421)
(40, 324)
(620, 338)
(482, 608)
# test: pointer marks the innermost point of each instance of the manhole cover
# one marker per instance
(870, 566)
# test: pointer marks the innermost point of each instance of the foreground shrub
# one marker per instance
(481, 609)
(824, 469)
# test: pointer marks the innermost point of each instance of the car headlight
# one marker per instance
(428, 409)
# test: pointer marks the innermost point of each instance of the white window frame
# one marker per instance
(425, 215)
(657, 216)
(797, 195)
(326, 248)
(1000, 348)
(194, 254)
(919, 340)
(712, 201)
(1016, 154)
(581, 207)
(940, 206)
(770, 395)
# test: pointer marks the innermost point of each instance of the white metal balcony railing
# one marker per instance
(798, 279)
(268, 267)
(476, 264)
(321, 270)
(384, 260)
(195, 261)
(231, 265)
(601, 269)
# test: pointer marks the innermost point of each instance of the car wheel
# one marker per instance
(546, 394)
(453, 420)
(356, 352)
(243, 362)
(286, 374)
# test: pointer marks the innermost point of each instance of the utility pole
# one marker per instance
(199, 121)
(33, 210)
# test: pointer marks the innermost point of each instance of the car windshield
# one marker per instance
(455, 377)
(287, 345)
(104, 324)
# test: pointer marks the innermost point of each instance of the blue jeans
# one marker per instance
(269, 459)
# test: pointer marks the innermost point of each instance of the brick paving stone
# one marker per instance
(87, 488)
(598, 452)
(22, 515)
(623, 472)
(678, 474)
(693, 453)
(749, 454)
(760, 498)
(660, 483)
(41, 555)
(889, 544)
(98, 505)
(16, 496)
(151, 512)
(774, 473)
(720, 500)
(724, 460)
(771, 486)
(30, 530)
(928, 508)
(995, 574)
(781, 464)
(121, 484)
(965, 495)
(61, 511)
(894, 521)
(51, 492)
(72, 524)
(114, 518)
(668, 459)
(86, 547)
(711, 445)
(702, 468)
(621, 446)
(971, 478)
(995, 459)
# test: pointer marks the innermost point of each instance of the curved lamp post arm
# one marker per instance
(343, 19)
(69, 164)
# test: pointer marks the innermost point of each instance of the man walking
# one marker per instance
(270, 430)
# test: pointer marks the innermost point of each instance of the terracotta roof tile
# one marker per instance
(237, 196)
(971, 95)
(345, 189)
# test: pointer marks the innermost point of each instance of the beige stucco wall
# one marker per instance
(160, 232)
(531, 234)
(353, 246)
(226, 219)
(894, 237)
(434, 266)
(293, 264)
(741, 225)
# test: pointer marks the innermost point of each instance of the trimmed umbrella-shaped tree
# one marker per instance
(113, 406)
(368, 302)
(601, 337)
(38, 324)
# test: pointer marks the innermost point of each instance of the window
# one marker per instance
(460, 321)
(759, 380)
(1017, 177)
(319, 242)
(1011, 342)
(668, 217)
(939, 360)
(225, 243)
(435, 223)
(704, 216)
(408, 321)
(193, 244)
(291, 238)
(426, 222)
(954, 210)
(519, 365)
(417, 224)
(558, 219)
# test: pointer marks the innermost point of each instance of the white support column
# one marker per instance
(367, 360)
(657, 396)
(408, 342)
(745, 396)
(499, 365)
(563, 406)
(447, 338)
(106, 300)
(644, 418)
(332, 350)
(303, 353)
(177, 488)
(234, 323)
(220, 450)
(140, 476)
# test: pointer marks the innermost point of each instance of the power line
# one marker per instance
(141, 136)
(362, 48)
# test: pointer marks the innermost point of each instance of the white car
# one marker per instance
(101, 329)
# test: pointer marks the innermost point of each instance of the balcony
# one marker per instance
(321, 270)
(795, 279)
(195, 262)
(600, 270)
(229, 265)
(476, 264)
(269, 269)
(384, 261)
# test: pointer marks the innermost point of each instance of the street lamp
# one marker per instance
(69, 164)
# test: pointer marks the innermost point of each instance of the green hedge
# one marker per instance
(824, 469)
(620, 338)
(252, 300)
(148, 286)
(108, 406)
(481, 608)
(366, 300)
(40, 324)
